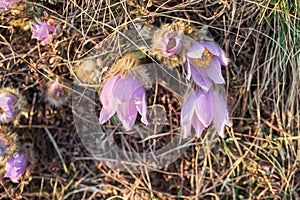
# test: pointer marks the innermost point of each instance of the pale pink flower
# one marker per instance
(43, 31)
(126, 96)
(200, 109)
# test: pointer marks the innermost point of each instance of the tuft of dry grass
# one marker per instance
(259, 159)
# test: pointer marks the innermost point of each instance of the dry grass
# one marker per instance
(259, 159)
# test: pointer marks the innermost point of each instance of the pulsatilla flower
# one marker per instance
(126, 96)
(15, 166)
(57, 94)
(7, 108)
(12, 104)
(42, 31)
(200, 109)
(171, 44)
(168, 44)
(204, 60)
(4, 4)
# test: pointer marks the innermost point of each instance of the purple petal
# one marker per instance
(222, 57)
(188, 69)
(107, 113)
(195, 51)
(213, 70)
(127, 114)
(141, 104)
(198, 126)
(108, 90)
(186, 129)
(6, 101)
(211, 47)
(220, 116)
(200, 77)
(188, 109)
(126, 87)
(51, 27)
(204, 107)
(15, 167)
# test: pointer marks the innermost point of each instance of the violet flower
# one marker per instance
(171, 45)
(126, 96)
(204, 60)
(4, 4)
(41, 31)
(7, 108)
(200, 109)
(15, 166)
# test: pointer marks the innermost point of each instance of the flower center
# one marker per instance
(171, 44)
(59, 92)
(1, 111)
(207, 57)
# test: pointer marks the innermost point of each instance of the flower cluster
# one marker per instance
(203, 61)
(175, 44)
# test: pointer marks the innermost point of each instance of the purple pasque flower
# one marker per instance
(41, 31)
(204, 60)
(200, 109)
(171, 44)
(7, 107)
(15, 166)
(126, 96)
(4, 4)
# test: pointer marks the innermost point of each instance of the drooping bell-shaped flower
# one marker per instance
(42, 31)
(204, 60)
(4, 4)
(196, 112)
(126, 96)
(200, 109)
(15, 166)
